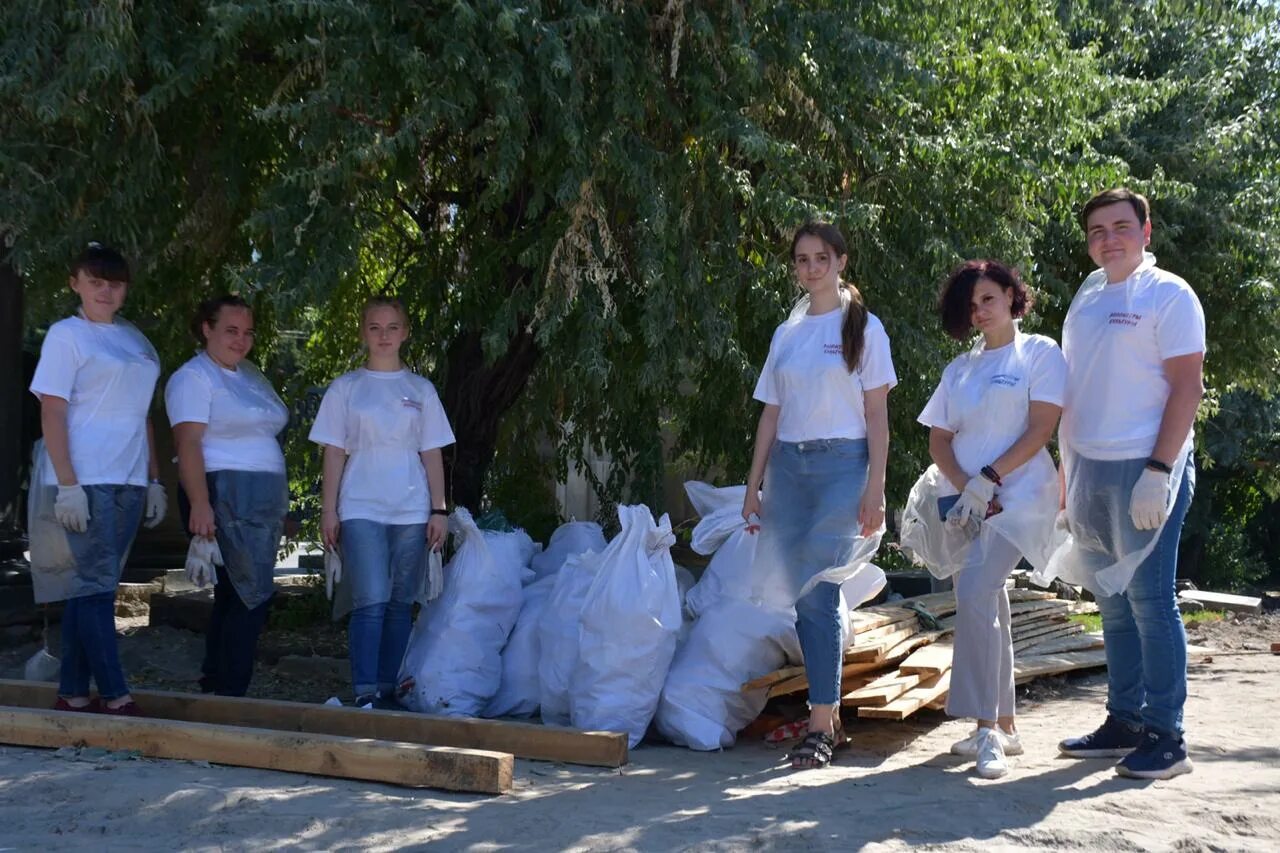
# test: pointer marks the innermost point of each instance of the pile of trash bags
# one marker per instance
(611, 635)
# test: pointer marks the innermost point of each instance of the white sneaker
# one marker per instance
(968, 748)
(991, 760)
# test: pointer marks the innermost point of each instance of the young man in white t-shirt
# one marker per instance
(1134, 342)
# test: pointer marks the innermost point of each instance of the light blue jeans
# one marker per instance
(383, 564)
(809, 519)
(89, 616)
(1146, 642)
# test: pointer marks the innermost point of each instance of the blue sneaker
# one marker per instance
(1160, 756)
(1113, 739)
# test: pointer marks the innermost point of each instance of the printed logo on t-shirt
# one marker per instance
(1123, 318)
(1005, 379)
(832, 349)
(411, 404)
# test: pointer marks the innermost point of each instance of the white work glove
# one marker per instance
(157, 504)
(1148, 504)
(71, 508)
(433, 577)
(973, 503)
(202, 555)
(332, 571)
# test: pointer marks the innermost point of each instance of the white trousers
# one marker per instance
(982, 664)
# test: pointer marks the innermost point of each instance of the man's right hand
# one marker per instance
(330, 528)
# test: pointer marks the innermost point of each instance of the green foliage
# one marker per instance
(586, 205)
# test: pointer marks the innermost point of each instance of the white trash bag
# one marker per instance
(53, 566)
(570, 539)
(630, 619)
(721, 533)
(703, 705)
(519, 689)
(453, 664)
(558, 635)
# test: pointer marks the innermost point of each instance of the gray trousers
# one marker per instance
(982, 663)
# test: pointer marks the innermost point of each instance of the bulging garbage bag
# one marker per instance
(630, 618)
(570, 539)
(733, 641)
(453, 664)
(518, 691)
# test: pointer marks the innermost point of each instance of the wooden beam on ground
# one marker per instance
(1223, 601)
(883, 690)
(471, 770)
(1034, 666)
(930, 660)
(911, 701)
(523, 740)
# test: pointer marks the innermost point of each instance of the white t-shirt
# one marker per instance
(806, 376)
(241, 412)
(107, 373)
(1116, 338)
(383, 420)
(985, 397)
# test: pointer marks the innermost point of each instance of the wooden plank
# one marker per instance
(883, 690)
(911, 701)
(471, 770)
(1025, 610)
(933, 659)
(877, 650)
(524, 740)
(1223, 601)
(1041, 629)
(1037, 665)
(1077, 642)
(848, 672)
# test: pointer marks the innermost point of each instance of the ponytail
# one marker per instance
(854, 329)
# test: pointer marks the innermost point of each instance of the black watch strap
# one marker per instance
(439, 512)
(1157, 465)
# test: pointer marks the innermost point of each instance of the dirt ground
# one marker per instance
(897, 788)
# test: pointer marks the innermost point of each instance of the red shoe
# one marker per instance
(128, 709)
(93, 707)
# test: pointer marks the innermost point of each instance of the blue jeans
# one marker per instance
(89, 617)
(809, 519)
(383, 564)
(1145, 641)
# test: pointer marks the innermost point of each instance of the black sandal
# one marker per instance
(815, 751)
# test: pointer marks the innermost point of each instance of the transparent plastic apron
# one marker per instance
(1101, 549)
(989, 423)
(249, 506)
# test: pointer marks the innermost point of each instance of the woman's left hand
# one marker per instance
(871, 512)
(437, 530)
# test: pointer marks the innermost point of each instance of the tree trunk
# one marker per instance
(11, 393)
(475, 397)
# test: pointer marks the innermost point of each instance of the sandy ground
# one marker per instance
(897, 788)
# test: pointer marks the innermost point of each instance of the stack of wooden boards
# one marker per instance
(401, 748)
(896, 665)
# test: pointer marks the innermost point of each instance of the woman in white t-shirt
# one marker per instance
(824, 438)
(226, 418)
(95, 379)
(991, 496)
(382, 428)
